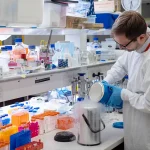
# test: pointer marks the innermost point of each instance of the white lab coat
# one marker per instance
(136, 108)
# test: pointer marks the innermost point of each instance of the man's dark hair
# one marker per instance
(131, 24)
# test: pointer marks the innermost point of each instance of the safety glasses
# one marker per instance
(125, 46)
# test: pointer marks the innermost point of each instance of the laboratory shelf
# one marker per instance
(35, 83)
(46, 31)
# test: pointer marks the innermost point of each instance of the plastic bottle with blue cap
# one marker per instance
(5, 119)
(32, 56)
(98, 54)
(19, 50)
(4, 53)
(95, 43)
(9, 48)
(33, 53)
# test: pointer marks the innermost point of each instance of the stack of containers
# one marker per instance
(20, 117)
(32, 146)
(5, 133)
(46, 121)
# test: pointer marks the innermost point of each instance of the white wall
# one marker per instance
(35, 39)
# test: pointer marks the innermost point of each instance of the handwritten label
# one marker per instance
(104, 6)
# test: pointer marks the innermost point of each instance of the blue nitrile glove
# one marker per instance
(119, 125)
(115, 99)
(107, 93)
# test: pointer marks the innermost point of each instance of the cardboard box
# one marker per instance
(74, 22)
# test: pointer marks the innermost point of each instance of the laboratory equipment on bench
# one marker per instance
(81, 85)
(74, 89)
(64, 136)
(89, 123)
(19, 51)
(46, 55)
(95, 43)
(96, 92)
(32, 56)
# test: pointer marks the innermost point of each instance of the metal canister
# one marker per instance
(89, 126)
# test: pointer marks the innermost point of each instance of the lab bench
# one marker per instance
(110, 139)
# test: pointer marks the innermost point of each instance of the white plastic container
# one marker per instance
(108, 44)
(21, 12)
(4, 59)
(96, 92)
(5, 16)
(54, 15)
(26, 12)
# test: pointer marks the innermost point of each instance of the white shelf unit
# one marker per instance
(56, 31)
(35, 83)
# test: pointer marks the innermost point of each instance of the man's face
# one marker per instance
(125, 43)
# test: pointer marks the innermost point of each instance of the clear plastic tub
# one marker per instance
(21, 12)
(108, 44)
(54, 15)
(91, 19)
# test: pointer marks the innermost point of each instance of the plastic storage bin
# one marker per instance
(91, 19)
(20, 117)
(21, 12)
(54, 15)
(107, 19)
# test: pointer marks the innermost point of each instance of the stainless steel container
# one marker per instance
(90, 125)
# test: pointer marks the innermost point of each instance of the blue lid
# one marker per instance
(79, 99)
(21, 104)
(14, 105)
(81, 74)
(3, 48)
(31, 107)
(18, 40)
(27, 107)
(30, 110)
(52, 45)
(96, 47)
(98, 52)
(34, 111)
(126, 77)
(53, 66)
(37, 108)
(95, 39)
(6, 115)
(9, 47)
(31, 46)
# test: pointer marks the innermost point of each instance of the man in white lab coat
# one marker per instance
(129, 31)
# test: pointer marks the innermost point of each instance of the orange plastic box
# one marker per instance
(65, 122)
(18, 118)
(31, 146)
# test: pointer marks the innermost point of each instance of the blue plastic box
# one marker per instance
(107, 19)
